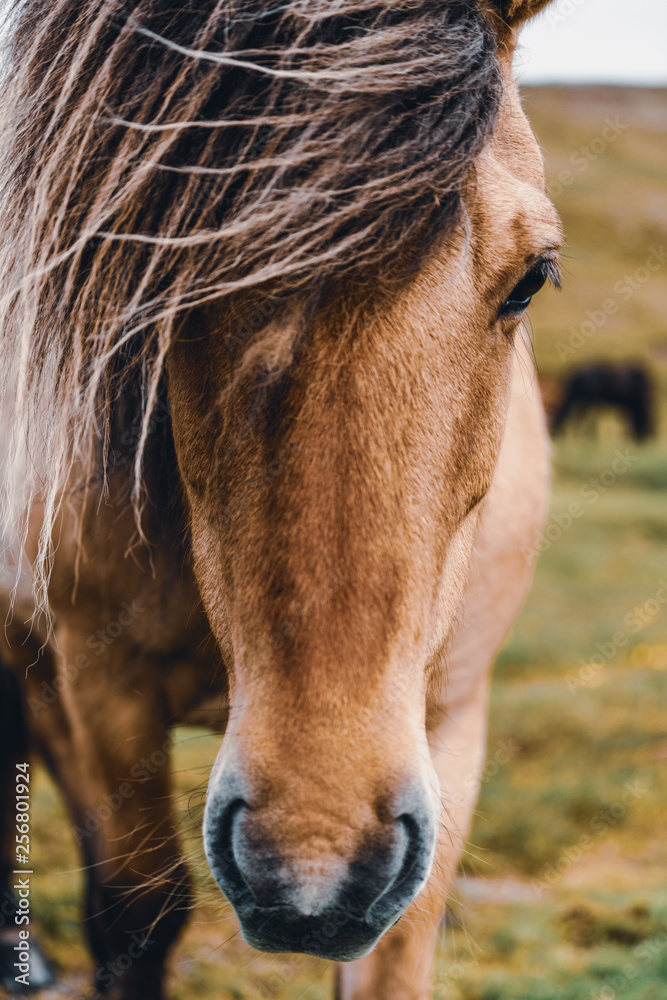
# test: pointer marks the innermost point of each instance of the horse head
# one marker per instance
(317, 227)
(335, 460)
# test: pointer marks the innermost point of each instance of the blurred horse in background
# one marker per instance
(627, 389)
(275, 450)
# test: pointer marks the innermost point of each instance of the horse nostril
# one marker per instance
(413, 854)
(242, 861)
(219, 827)
(411, 865)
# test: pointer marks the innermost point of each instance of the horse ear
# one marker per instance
(515, 12)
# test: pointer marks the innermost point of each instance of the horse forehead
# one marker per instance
(513, 216)
(511, 209)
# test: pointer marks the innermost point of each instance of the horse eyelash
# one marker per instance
(553, 270)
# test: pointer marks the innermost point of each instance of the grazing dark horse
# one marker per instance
(274, 449)
(625, 388)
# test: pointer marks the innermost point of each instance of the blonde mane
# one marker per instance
(155, 159)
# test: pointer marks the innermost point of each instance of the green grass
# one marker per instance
(564, 951)
(575, 907)
(558, 950)
(596, 569)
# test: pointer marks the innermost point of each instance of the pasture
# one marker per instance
(562, 895)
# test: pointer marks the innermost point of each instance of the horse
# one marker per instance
(622, 387)
(274, 451)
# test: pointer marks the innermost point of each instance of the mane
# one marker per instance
(156, 158)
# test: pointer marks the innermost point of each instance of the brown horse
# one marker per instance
(625, 388)
(275, 448)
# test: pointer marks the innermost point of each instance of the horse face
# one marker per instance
(334, 481)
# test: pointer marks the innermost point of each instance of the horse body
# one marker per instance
(624, 388)
(331, 555)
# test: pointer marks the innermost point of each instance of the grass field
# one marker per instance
(563, 894)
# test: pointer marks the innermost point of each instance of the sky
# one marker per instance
(596, 41)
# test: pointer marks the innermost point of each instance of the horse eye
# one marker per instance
(539, 274)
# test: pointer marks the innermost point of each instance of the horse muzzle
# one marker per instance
(317, 900)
